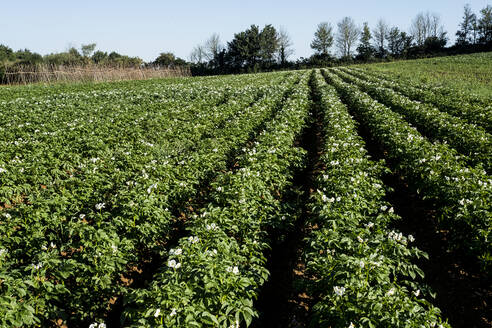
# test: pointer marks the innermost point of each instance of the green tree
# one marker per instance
(165, 59)
(398, 42)
(485, 25)
(365, 49)
(168, 59)
(87, 49)
(27, 57)
(99, 57)
(6, 53)
(268, 45)
(114, 56)
(71, 57)
(465, 33)
(323, 39)
(252, 48)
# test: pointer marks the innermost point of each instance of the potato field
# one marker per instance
(314, 198)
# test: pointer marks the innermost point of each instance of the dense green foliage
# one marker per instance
(468, 139)
(153, 203)
(468, 76)
(365, 276)
(435, 170)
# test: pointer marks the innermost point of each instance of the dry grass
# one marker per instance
(91, 73)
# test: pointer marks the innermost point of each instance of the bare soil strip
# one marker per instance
(283, 302)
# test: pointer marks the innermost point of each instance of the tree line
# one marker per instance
(269, 48)
(258, 49)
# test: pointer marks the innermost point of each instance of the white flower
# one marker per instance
(37, 266)
(384, 207)
(324, 198)
(339, 198)
(219, 189)
(173, 312)
(416, 293)
(411, 238)
(193, 239)
(325, 176)
(351, 325)
(82, 216)
(100, 206)
(152, 186)
(235, 270)
(395, 236)
(361, 264)
(2, 170)
(234, 325)
(93, 325)
(173, 264)
(102, 325)
(390, 292)
(359, 238)
(212, 226)
(114, 248)
(370, 225)
(462, 202)
(215, 150)
(3, 252)
(339, 291)
(157, 313)
(7, 215)
(391, 210)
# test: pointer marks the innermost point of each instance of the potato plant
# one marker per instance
(157, 203)
(434, 170)
(473, 109)
(470, 140)
(362, 271)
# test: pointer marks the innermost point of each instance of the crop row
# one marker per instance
(456, 103)
(435, 171)
(458, 94)
(468, 139)
(212, 275)
(362, 271)
(82, 221)
(36, 93)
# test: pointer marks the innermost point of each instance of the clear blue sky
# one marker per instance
(146, 28)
